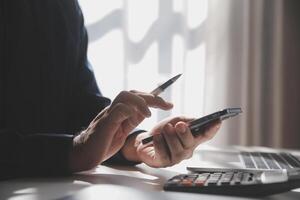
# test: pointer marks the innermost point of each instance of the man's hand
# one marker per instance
(172, 143)
(107, 133)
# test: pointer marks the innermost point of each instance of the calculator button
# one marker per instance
(215, 175)
(179, 177)
(233, 183)
(199, 183)
(237, 178)
(201, 178)
(218, 174)
(247, 178)
(226, 178)
(175, 180)
(186, 183)
(229, 174)
(212, 182)
(192, 176)
(213, 179)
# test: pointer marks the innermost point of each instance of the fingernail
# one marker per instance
(182, 128)
(169, 127)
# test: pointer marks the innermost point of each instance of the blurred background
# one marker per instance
(232, 53)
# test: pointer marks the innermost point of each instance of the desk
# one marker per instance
(111, 182)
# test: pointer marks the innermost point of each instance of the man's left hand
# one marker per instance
(172, 143)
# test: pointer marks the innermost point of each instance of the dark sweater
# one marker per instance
(48, 91)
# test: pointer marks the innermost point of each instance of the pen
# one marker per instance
(162, 87)
(156, 92)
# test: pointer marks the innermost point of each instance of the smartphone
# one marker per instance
(200, 123)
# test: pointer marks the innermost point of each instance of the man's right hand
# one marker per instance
(107, 133)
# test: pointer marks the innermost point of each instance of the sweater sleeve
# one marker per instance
(35, 154)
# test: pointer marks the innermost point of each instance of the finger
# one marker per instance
(154, 101)
(161, 150)
(209, 132)
(100, 114)
(181, 118)
(157, 102)
(118, 114)
(132, 122)
(184, 134)
(108, 126)
(174, 145)
(140, 118)
(133, 100)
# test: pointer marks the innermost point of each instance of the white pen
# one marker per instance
(156, 92)
(162, 87)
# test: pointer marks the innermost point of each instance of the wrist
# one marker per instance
(78, 159)
(129, 150)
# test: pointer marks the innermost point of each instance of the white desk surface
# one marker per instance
(111, 182)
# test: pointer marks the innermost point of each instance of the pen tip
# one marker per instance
(176, 77)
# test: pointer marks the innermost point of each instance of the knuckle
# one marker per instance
(133, 91)
(160, 99)
(124, 93)
(122, 109)
(120, 106)
(138, 98)
(143, 100)
(133, 122)
(152, 96)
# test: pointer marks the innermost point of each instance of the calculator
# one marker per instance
(234, 182)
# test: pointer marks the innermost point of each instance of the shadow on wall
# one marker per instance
(161, 32)
(224, 62)
(168, 24)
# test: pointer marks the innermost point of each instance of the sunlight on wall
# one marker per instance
(197, 12)
(137, 44)
(195, 80)
(106, 56)
(140, 16)
(95, 10)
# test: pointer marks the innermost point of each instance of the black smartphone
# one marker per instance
(200, 123)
